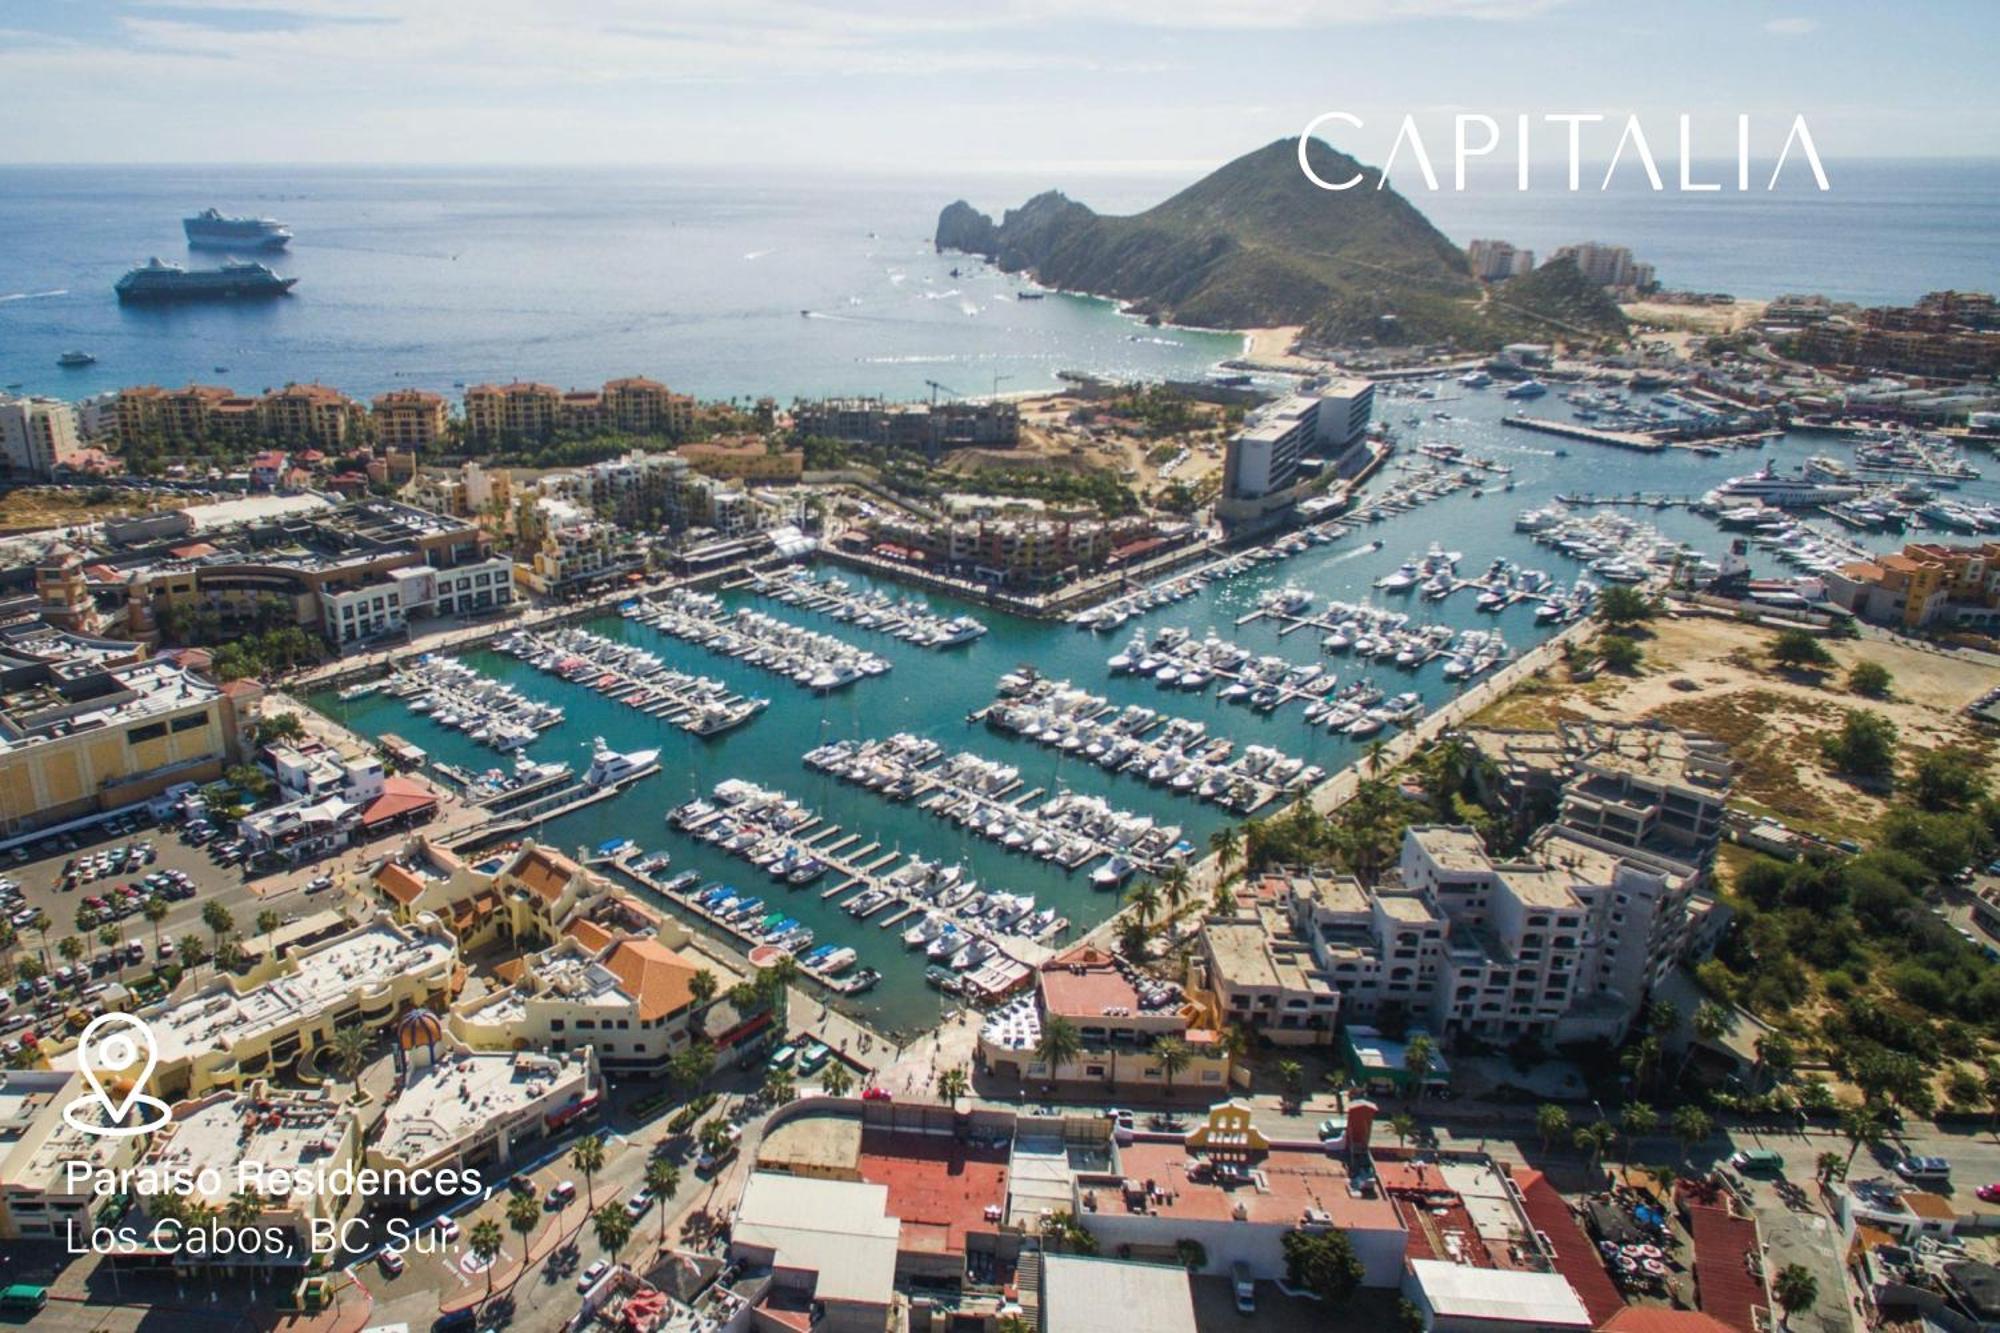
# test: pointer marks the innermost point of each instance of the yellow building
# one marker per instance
(238, 1028)
(647, 407)
(516, 411)
(411, 419)
(77, 735)
(311, 414)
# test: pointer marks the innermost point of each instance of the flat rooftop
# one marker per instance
(78, 695)
(1088, 1294)
(1242, 954)
(1541, 886)
(563, 975)
(317, 981)
(270, 1134)
(940, 1187)
(35, 1140)
(1282, 1184)
(813, 1144)
(1451, 847)
(446, 1103)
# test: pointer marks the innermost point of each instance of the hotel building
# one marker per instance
(38, 435)
(410, 419)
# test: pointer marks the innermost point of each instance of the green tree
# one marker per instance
(1419, 1054)
(588, 1157)
(836, 1081)
(1798, 649)
(1060, 1043)
(1621, 604)
(1795, 1289)
(109, 938)
(41, 925)
(1145, 900)
(1619, 652)
(1829, 1167)
(193, 951)
(952, 1084)
(524, 1215)
(277, 728)
(156, 911)
(1173, 1055)
(1592, 1139)
(1864, 747)
(267, 921)
(484, 1239)
(350, 1052)
(1635, 1121)
(1552, 1122)
(70, 947)
(702, 986)
(1711, 1022)
(1946, 781)
(218, 919)
(663, 1178)
(1871, 680)
(778, 1086)
(1403, 1124)
(1859, 1125)
(1692, 1126)
(1226, 843)
(1323, 1263)
(1291, 1077)
(613, 1226)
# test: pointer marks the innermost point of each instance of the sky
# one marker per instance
(1001, 85)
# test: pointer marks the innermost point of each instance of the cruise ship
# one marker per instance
(158, 281)
(1774, 489)
(210, 230)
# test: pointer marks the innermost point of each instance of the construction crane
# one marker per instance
(996, 383)
(936, 388)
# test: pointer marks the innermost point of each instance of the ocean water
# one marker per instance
(931, 693)
(438, 276)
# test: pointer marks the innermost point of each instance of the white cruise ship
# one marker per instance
(1774, 488)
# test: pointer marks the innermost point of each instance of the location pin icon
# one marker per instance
(114, 1045)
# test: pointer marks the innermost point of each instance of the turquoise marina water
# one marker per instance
(931, 693)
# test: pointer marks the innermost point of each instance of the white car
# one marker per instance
(588, 1278)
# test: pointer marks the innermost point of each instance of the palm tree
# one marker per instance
(70, 947)
(86, 920)
(267, 922)
(702, 985)
(523, 1216)
(1592, 1139)
(1710, 1022)
(1795, 1289)
(778, 1086)
(1145, 899)
(1223, 903)
(1173, 1056)
(714, 1137)
(1226, 843)
(485, 1241)
(1417, 1060)
(1403, 1124)
(836, 1081)
(1859, 1125)
(1177, 887)
(1829, 1167)
(1376, 751)
(1635, 1121)
(350, 1052)
(1552, 1121)
(229, 953)
(1643, 1059)
(1692, 1125)
(193, 951)
(41, 925)
(156, 911)
(1291, 1077)
(218, 919)
(242, 1209)
(110, 937)
(663, 1178)
(588, 1157)
(952, 1084)
(613, 1226)
(1060, 1044)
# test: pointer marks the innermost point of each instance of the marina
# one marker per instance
(1241, 597)
(809, 659)
(907, 618)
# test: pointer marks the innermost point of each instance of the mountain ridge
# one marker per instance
(1255, 244)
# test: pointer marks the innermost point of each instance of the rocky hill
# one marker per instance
(1255, 244)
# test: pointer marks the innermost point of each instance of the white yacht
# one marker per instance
(608, 766)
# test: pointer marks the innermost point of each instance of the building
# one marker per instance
(410, 419)
(1607, 265)
(640, 406)
(511, 412)
(1495, 260)
(575, 549)
(1286, 447)
(1121, 1017)
(293, 1154)
(38, 1201)
(829, 1247)
(237, 1028)
(632, 1000)
(1088, 1294)
(930, 429)
(86, 728)
(176, 416)
(457, 1108)
(1926, 584)
(312, 414)
(1025, 554)
(1452, 1298)
(1345, 407)
(1260, 963)
(38, 436)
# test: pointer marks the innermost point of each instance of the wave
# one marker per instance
(31, 296)
(759, 254)
(940, 296)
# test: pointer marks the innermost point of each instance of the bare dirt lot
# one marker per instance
(1714, 676)
(32, 507)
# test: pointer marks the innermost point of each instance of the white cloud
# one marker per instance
(1791, 27)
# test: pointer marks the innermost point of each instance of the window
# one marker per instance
(555, 1025)
(585, 1024)
(150, 732)
(192, 722)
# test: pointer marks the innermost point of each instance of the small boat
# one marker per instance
(73, 360)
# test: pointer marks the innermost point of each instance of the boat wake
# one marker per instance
(32, 296)
(759, 254)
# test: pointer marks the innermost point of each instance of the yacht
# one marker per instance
(1527, 389)
(1774, 488)
(608, 766)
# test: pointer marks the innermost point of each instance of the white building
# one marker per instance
(1454, 1298)
(38, 435)
(37, 1200)
(1494, 260)
(1607, 265)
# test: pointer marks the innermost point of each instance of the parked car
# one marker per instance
(560, 1195)
(1926, 1169)
(588, 1277)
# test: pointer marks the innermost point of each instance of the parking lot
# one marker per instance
(87, 882)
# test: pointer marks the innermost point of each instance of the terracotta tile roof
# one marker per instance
(1576, 1258)
(654, 975)
(1725, 1249)
(400, 796)
(1659, 1319)
(510, 971)
(398, 883)
(1935, 1207)
(589, 934)
(544, 873)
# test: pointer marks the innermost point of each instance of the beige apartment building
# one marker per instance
(410, 419)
